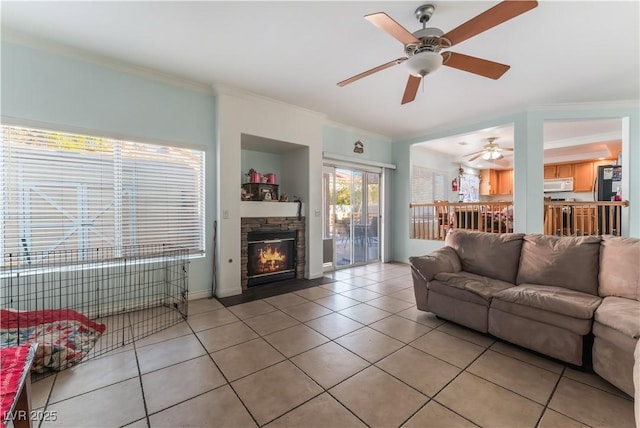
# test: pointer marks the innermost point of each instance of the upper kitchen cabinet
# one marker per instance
(564, 170)
(583, 175)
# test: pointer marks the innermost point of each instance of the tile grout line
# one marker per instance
(144, 400)
(223, 376)
(553, 391)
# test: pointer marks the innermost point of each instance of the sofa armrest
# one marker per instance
(443, 259)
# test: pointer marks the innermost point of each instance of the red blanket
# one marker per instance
(12, 367)
(64, 335)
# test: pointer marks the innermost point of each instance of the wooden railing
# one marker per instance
(583, 218)
(432, 221)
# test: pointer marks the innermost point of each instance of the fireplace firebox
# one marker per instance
(271, 257)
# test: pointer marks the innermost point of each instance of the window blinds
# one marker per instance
(427, 185)
(73, 192)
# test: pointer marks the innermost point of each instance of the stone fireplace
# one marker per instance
(272, 249)
(271, 256)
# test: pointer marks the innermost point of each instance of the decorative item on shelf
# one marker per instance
(254, 176)
(244, 195)
(264, 179)
(358, 147)
(271, 178)
(284, 198)
(259, 191)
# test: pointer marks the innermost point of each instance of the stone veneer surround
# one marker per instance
(272, 224)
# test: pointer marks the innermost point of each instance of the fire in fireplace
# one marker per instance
(271, 256)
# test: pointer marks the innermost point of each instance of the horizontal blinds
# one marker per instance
(427, 185)
(71, 192)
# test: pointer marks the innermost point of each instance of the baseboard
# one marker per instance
(203, 294)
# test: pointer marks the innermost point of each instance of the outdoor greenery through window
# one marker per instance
(428, 185)
(73, 192)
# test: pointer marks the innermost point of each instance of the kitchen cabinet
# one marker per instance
(487, 176)
(583, 174)
(496, 182)
(563, 170)
(505, 182)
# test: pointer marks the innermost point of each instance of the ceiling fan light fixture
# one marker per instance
(492, 155)
(423, 63)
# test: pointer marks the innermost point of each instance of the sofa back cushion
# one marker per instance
(620, 267)
(562, 261)
(495, 255)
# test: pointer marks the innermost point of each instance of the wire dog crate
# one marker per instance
(81, 304)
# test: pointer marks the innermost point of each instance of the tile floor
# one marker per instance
(351, 353)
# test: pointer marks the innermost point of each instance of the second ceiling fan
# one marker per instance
(423, 48)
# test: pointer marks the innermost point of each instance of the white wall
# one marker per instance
(262, 162)
(53, 91)
(439, 162)
(239, 113)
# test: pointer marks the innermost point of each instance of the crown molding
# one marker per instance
(606, 105)
(223, 89)
(56, 48)
(355, 130)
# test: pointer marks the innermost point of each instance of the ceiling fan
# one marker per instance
(490, 151)
(423, 47)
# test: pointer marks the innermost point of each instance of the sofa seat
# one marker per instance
(464, 297)
(620, 314)
(569, 303)
(479, 288)
(616, 329)
(547, 319)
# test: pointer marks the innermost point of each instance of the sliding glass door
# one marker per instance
(351, 224)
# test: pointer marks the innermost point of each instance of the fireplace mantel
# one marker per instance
(269, 209)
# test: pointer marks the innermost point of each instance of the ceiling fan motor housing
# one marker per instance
(430, 40)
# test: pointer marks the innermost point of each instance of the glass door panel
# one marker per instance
(351, 212)
(373, 216)
(343, 178)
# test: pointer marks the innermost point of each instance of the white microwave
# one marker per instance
(559, 185)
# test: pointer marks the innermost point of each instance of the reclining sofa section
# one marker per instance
(540, 292)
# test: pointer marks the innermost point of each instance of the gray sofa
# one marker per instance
(541, 292)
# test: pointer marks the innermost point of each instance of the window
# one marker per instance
(428, 185)
(73, 192)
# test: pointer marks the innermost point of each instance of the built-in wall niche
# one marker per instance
(288, 162)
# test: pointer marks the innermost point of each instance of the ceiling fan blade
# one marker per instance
(479, 66)
(391, 27)
(475, 157)
(373, 70)
(498, 14)
(411, 90)
(507, 149)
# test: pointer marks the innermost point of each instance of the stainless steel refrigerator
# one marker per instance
(607, 185)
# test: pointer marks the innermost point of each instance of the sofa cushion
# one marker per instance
(620, 314)
(476, 284)
(620, 267)
(443, 259)
(553, 299)
(626, 343)
(562, 261)
(494, 255)
(574, 325)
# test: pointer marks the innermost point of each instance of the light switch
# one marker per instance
(225, 214)
(317, 212)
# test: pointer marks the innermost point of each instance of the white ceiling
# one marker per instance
(560, 52)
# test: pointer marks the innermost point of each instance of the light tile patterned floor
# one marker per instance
(352, 353)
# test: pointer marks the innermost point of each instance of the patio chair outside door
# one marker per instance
(351, 202)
